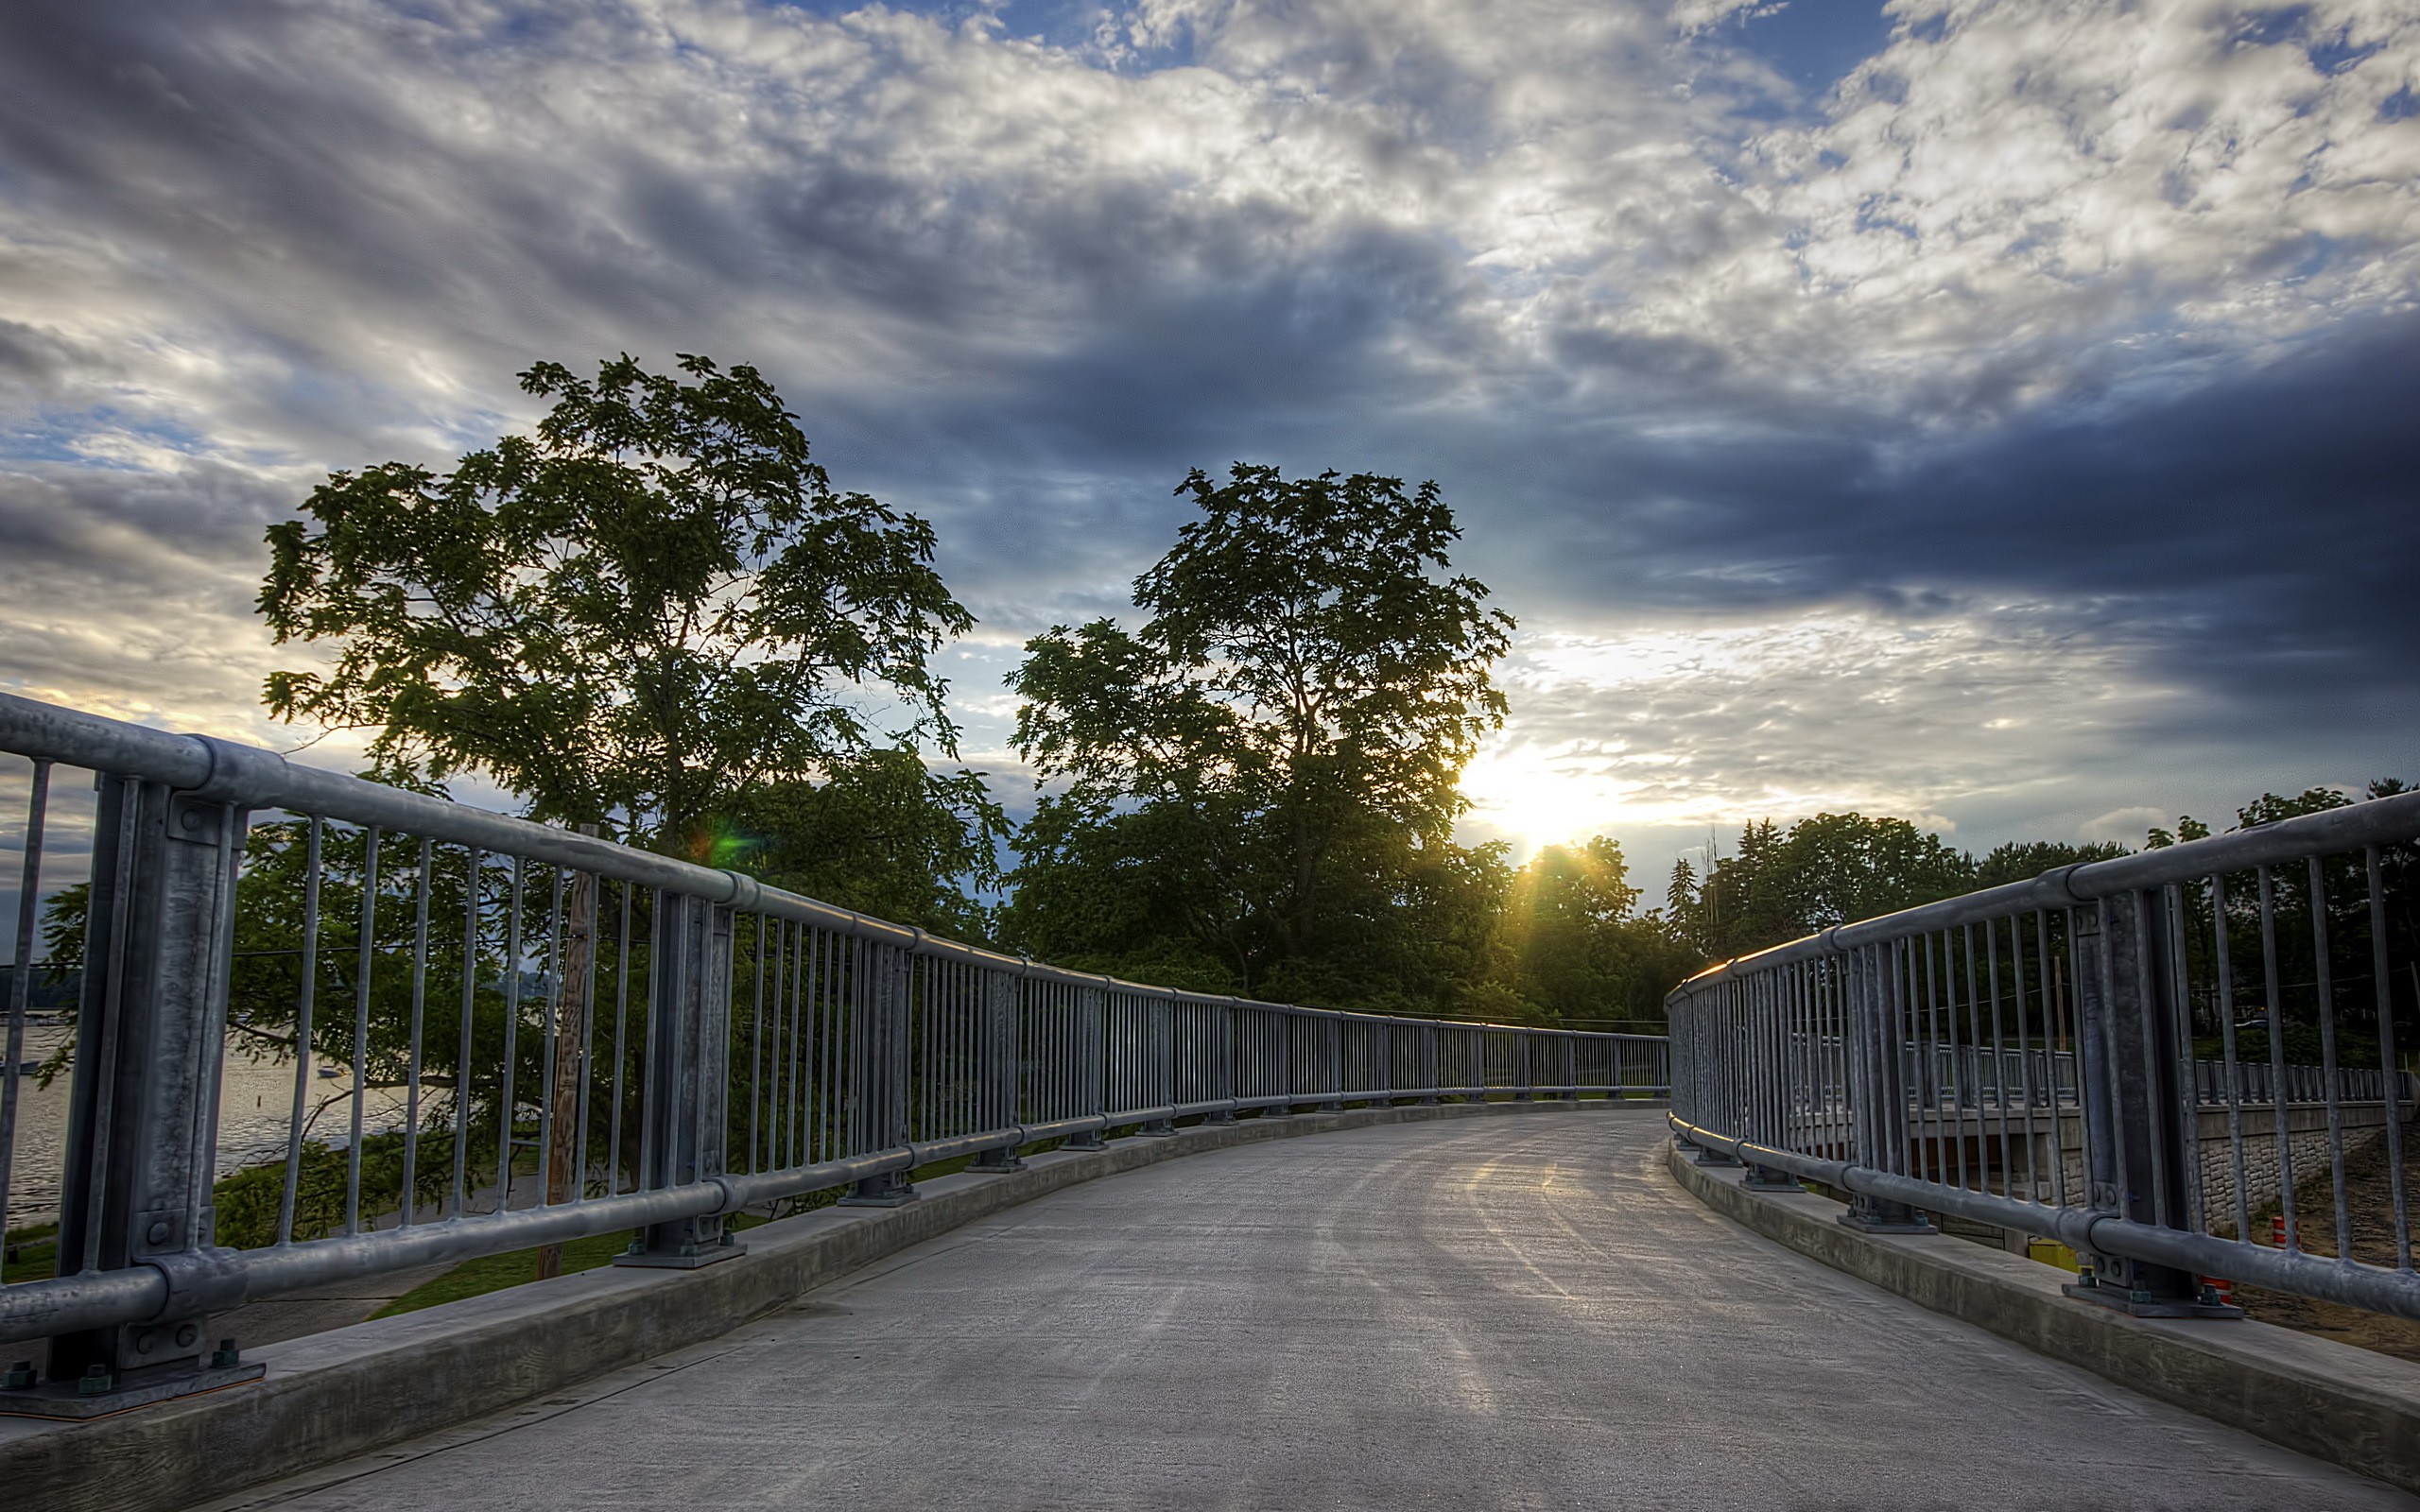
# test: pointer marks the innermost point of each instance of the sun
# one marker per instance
(1522, 794)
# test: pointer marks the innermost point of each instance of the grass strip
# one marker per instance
(495, 1273)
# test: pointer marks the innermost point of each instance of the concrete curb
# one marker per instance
(337, 1395)
(2352, 1408)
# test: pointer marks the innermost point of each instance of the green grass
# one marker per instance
(31, 1254)
(495, 1273)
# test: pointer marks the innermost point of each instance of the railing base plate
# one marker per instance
(1878, 1225)
(698, 1260)
(63, 1400)
(899, 1197)
(2110, 1297)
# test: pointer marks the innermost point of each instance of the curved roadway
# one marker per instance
(1517, 1313)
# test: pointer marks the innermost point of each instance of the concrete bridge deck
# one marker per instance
(1492, 1312)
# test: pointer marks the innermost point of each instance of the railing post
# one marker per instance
(686, 1078)
(143, 1119)
(1525, 1076)
(1001, 1064)
(2132, 1101)
(1429, 1065)
(1332, 1046)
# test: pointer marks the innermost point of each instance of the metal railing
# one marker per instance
(2026, 1057)
(1982, 1076)
(466, 1034)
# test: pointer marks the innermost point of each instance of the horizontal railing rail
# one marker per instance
(464, 1034)
(2074, 1058)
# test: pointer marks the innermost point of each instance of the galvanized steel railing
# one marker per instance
(1982, 1076)
(540, 1036)
(1921, 1063)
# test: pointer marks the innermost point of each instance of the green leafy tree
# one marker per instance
(1779, 885)
(1581, 950)
(2399, 877)
(882, 833)
(1845, 865)
(2340, 915)
(1256, 789)
(654, 603)
(655, 615)
(2024, 860)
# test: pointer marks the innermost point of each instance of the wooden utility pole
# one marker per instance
(571, 1043)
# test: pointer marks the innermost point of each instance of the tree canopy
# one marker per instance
(882, 833)
(1256, 788)
(1580, 948)
(1779, 885)
(652, 605)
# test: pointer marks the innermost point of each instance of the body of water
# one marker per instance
(254, 1102)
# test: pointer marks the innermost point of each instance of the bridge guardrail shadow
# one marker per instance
(531, 1036)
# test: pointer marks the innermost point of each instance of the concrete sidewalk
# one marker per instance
(1495, 1313)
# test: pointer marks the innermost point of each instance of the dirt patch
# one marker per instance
(2369, 1200)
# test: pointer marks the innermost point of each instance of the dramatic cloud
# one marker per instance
(1691, 728)
(2036, 362)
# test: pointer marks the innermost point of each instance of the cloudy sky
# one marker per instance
(2001, 414)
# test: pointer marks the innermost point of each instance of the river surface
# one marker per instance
(255, 1098)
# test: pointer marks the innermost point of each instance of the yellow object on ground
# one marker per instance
(2050, 1252)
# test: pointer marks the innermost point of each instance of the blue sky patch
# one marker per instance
(1813, 43)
